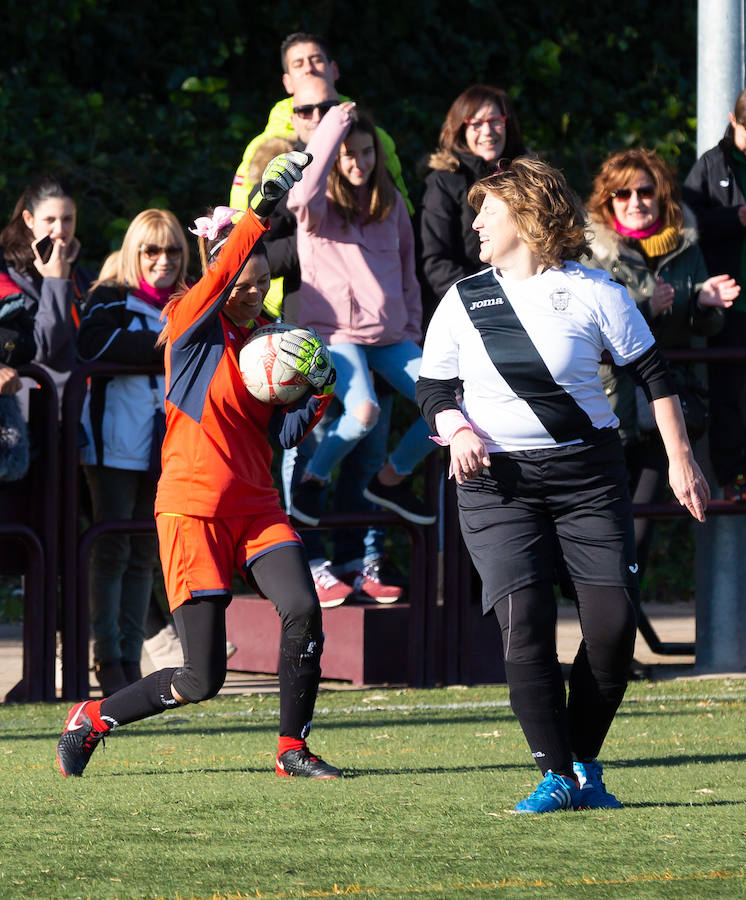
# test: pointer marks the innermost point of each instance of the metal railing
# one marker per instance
(443, 646)
(77, 548)
(30, 510)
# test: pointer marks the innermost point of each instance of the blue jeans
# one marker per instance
(399, 365)
(353, 547)
(121, 568)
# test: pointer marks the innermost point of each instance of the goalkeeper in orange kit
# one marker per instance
(217, 509)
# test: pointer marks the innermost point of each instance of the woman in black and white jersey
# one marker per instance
(541, 476)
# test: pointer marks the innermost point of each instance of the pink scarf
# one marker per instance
(637, 233)
(155, 296)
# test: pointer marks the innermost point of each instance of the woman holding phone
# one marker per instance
(40, 250)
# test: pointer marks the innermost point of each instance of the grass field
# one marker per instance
(187, 806)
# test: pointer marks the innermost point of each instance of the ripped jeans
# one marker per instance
(399, 364)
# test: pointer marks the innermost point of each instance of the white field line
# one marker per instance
(447, 707)
(186, 713)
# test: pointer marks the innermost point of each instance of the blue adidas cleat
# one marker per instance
(593, 793)
(555, 792)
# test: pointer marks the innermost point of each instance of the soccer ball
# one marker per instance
(266, 377)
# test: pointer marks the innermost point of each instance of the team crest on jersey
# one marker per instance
(560, 299)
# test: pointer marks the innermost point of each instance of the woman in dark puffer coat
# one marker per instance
(480, 129)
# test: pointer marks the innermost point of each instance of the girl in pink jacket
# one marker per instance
(360, 292)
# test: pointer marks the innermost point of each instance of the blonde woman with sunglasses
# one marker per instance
(647, 242)
(124, 423)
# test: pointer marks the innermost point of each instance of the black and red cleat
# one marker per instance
(302, 763)
(78, 741)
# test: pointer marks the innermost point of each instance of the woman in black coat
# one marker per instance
(715, 190)
(480, 129)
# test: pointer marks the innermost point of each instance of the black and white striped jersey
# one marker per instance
(528, 352)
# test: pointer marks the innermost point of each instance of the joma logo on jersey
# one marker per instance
(490, 301)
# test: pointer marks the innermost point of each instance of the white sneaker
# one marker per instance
(164, 649)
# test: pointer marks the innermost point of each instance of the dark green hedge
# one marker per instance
(144, 104)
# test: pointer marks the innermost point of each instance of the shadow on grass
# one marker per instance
(241, 724)
(682, 760)
(682, 804)
(639, 710)
(433, 770)
(134, 769)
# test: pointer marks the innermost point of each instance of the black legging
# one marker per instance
(647, 464)
(560, 730)
(283, 576)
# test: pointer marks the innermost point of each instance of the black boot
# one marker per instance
(111, 677)
(131, 671)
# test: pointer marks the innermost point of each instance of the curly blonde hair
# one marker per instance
(619, 170)
(547, 213)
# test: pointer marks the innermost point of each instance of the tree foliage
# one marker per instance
(142, 105)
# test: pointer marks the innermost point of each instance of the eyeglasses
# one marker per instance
(497, 123)
(646, 192)
(306, 111)
(153, 251)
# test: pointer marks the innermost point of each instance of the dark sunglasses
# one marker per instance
(306, 111)
(644, 193)
(153, 251)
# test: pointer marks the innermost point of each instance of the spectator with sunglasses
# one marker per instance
(647, 242)
(480, 129)
(302, 55)
(124, 422)
(314, 98)
(356, 557)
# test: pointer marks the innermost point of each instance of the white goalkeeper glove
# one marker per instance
(279, 176)
(309, 356)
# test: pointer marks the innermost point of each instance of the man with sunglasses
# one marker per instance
(314, 97)
(309, 77)
(302, 56)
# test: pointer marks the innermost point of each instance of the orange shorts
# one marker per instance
(199, 555)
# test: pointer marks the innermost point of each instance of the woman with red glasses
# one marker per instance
(647, 242)
(124, 423)
(480, 129)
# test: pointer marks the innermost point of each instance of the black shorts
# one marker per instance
(534, 511)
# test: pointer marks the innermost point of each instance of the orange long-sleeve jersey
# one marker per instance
(216, 454)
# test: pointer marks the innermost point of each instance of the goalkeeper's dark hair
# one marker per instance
(209, 250)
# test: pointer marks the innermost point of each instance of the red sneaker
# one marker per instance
(331, 591)
(368, 585)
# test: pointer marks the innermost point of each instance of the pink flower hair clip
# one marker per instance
(209, 228)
